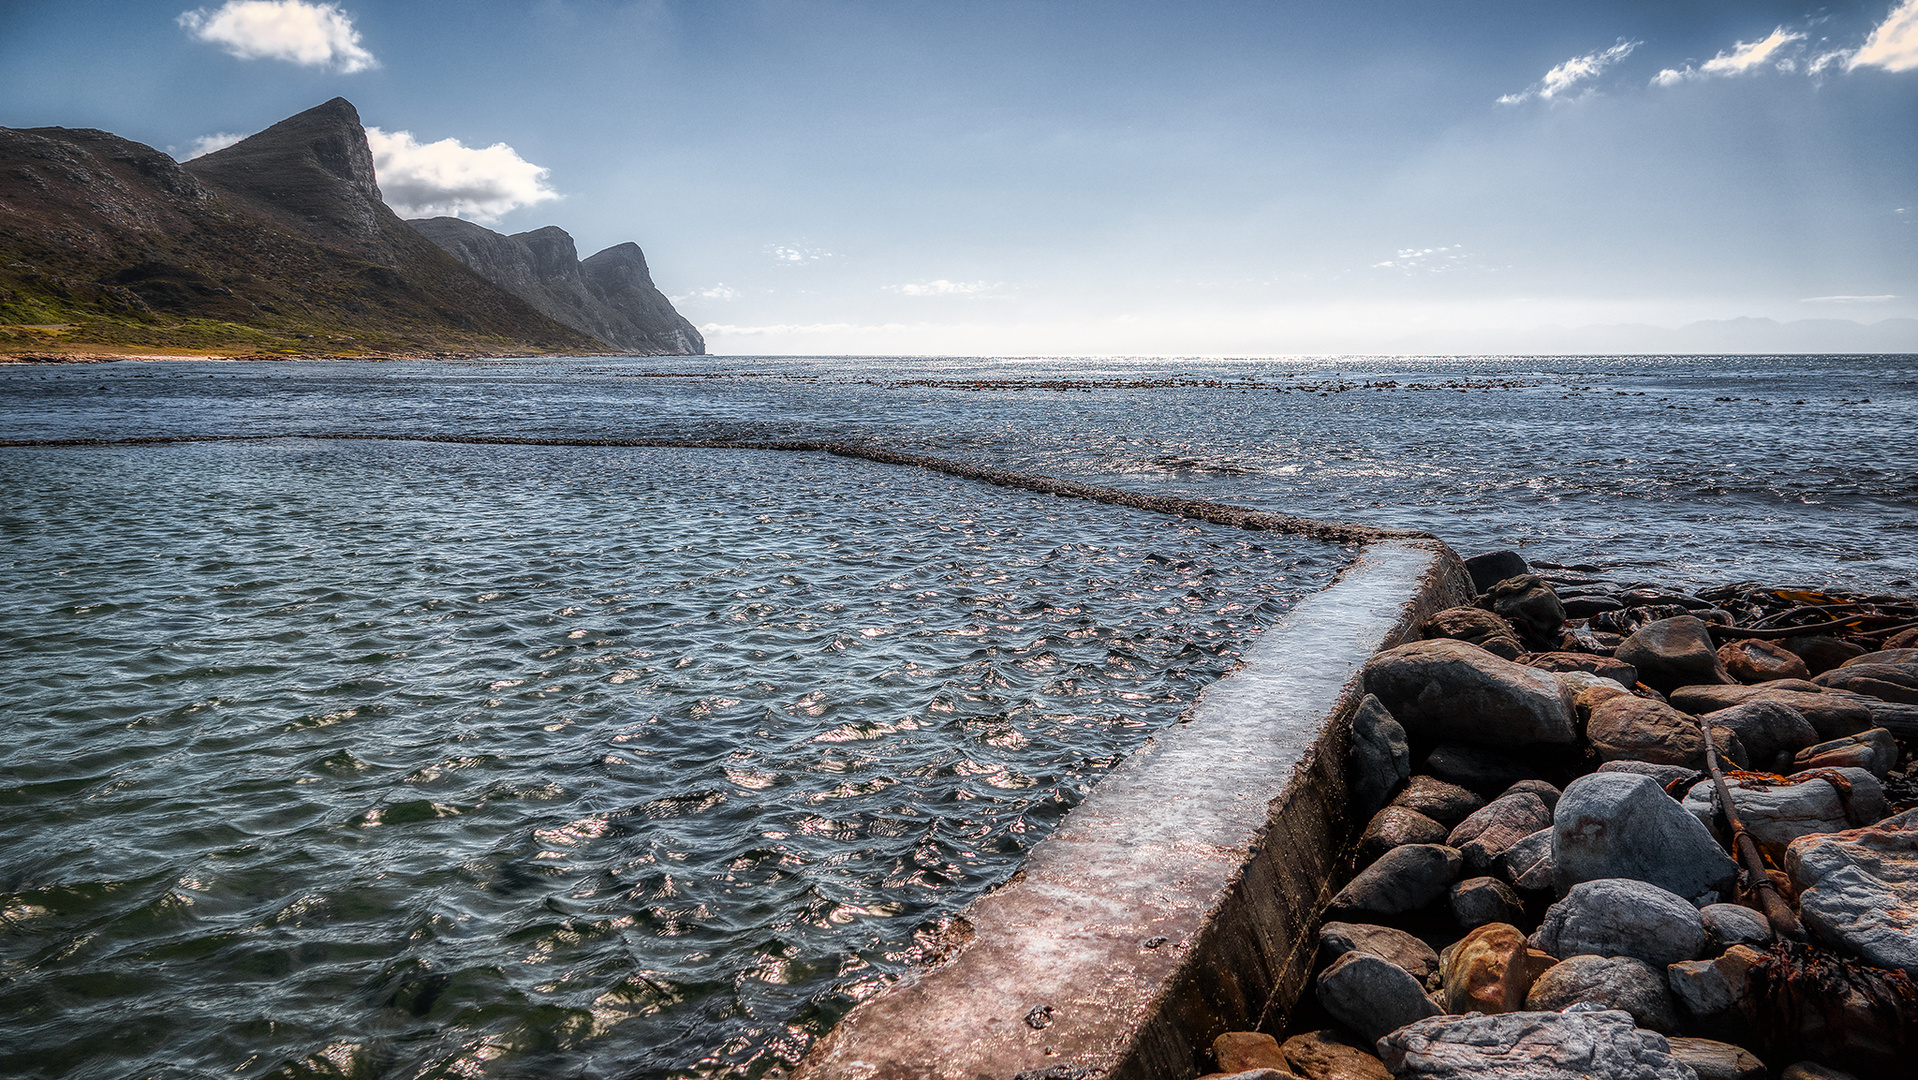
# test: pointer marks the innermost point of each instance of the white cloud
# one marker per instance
(1894, 44)
(1561, 79)
(1849, 299)
(797, 255)
(721, 291)
(446, 178)
(942, 287)
(309, 34)
(206, 144)
(779, 329)
(1744, 56)
(1431, 260)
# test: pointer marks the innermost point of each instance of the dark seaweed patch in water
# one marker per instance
(384, 760)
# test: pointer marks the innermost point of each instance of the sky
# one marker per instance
(1048, 177)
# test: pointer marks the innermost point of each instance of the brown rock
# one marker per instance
(1713, 1060)
(1822, 652)
(1492, 830)
(1755, 661)
(1886, 682)
(1491, 969)
(1330, 1055)
(1242, 1051)
(1447, 804)
(1605, 667)
(1832, 715)
(1591, 697)
(1637, 729)
(1396, 826)
(1674, 652)
(1874, 751)
(1453, 691)
(1481, 628)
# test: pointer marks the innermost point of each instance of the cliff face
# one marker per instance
(279, 243)
(610, 295)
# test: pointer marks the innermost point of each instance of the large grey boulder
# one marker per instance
(1611, 982)
(1381, 758)
(1578, 1044)
(1858, 889)
(1623, 825)
(1622, 917)
(1777, 812)
(1403, 879)
(1492, 830)
(1449, 691)
(1766, 728)
(1371, 995)
(1415, 956)
(1674, 652)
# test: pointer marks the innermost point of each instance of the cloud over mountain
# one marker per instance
(308, 34)
(449, 179)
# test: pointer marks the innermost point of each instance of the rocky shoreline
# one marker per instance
(1559, 890)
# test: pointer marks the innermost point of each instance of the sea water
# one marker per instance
(399, 759)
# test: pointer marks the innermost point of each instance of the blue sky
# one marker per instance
(1062, 177)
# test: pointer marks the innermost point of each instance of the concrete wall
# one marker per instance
(1182, 898)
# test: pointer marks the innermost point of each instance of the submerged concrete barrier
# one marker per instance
(1180, 899)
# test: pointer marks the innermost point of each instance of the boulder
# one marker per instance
(1776, 810)
(1713, 1060)
(1669, 777)
(1372, 995)
(1480, 900)
(1750, 660)
(1864, 916)
(1529, 865)
(1492, 830)
(1586, 605)
(1243, 1051)
(1449, 691)
(1415, 956)
(1605, 667)
(1905, 658)
(1671, 653)
(1529, 603)
(1589, 692)
(1381, 757)
(1481, 628)
(1874, 751)
(1623, 825)
(1572, 1045)
(1490, 970)
(1403, 879)
(1638, 729)
(1480, 771)
(1546, 793)
(1610, 982)
(1766, 728)
(1886, 682)
(1396, 826)
(1622, 917)
(1447, 804)
(1493, 567)
(1822, 652)
(1833, 715)
(1330, 1055)
(1730, 924)
(1716, 993)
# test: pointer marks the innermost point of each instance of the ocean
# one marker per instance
(402, 759)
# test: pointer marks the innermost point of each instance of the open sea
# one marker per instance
(353, 758)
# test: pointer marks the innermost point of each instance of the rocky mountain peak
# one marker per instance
(313, 171)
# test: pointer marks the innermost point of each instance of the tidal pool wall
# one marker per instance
(1178, 901)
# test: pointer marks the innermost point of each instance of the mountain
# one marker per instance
(277, 244)
(610, 295)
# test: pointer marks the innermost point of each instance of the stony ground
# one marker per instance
(1557, 890)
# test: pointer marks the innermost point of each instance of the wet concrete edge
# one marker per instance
(1180, 899)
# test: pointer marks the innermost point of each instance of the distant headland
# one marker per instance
(280, 245)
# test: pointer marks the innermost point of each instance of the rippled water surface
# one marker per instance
(391, 760)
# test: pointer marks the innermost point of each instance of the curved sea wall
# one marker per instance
(1175, 903)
